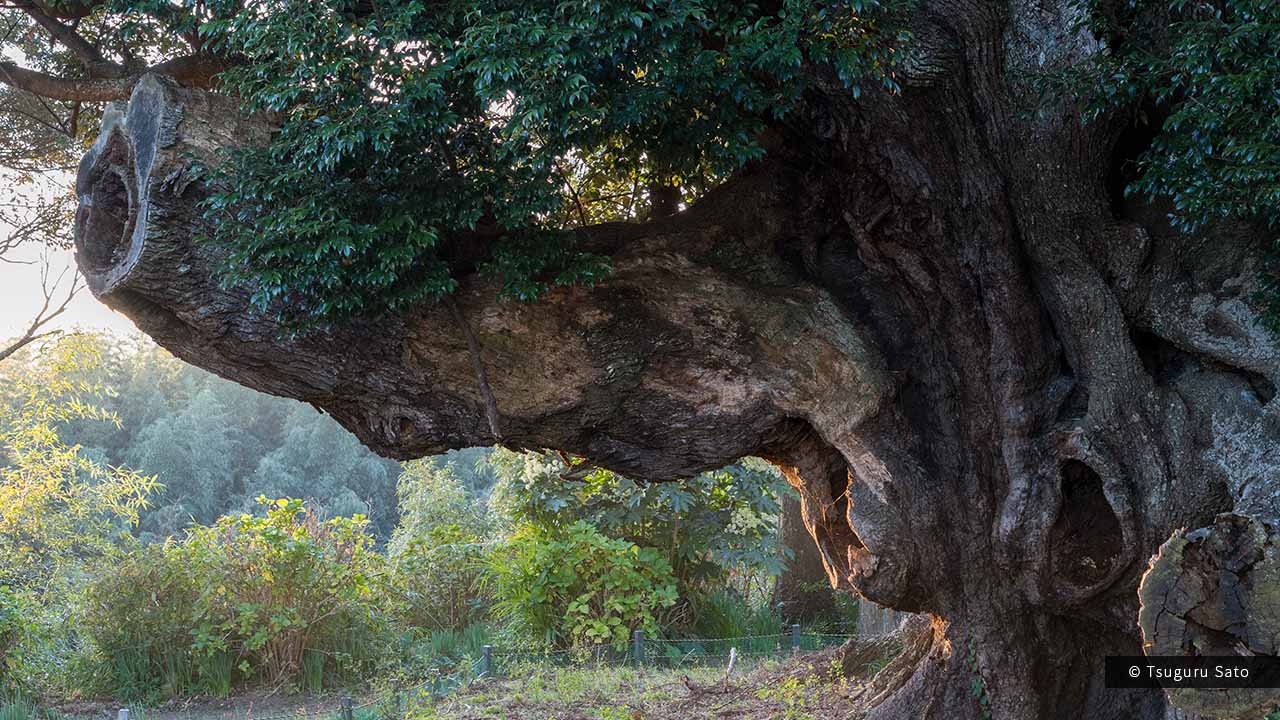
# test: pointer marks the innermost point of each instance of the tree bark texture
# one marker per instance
(998, 386)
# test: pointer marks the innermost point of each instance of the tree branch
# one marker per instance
(46, 314)
(60, 88)
(92, 59)
(190, 70)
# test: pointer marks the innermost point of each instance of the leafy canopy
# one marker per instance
(1208, 75)
(413, 133)
(1211, 71)
(706, 526)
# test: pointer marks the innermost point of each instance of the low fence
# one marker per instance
(495, 662)
(662, 653)
(641, 652)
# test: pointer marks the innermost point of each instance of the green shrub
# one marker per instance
(275, 587)
(728, 615)
(576, 587)
(16, 627)
(138, 616)
(437, 551)
(281, 598)
(437, 576)
(712, 528)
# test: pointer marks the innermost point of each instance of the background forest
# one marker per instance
(165, 533)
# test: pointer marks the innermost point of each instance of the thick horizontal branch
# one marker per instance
(673, 365)
(54, 87)
(190, 70)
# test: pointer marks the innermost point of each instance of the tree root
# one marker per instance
(915, 639)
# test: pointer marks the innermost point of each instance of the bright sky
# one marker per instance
(20, 296)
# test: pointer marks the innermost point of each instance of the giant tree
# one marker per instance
(889, 247)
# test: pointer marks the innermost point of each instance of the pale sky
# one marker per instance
(20, 296)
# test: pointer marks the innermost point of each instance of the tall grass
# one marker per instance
(464, 642)
(727, 615)
(17, 707)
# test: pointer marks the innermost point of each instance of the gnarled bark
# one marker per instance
(997, 389)
(1216, 592)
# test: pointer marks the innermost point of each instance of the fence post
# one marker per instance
(486, 661)
(637, 646)
(795, 638)
(347, 713)
(123, 714)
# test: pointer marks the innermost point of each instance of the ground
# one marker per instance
(767, 691)
(249, 705)
(811, 686)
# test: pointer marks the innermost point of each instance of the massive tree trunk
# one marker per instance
(998, 387)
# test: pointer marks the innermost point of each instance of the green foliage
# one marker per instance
(218, 445)
(19, 708)
(708, 527)
(575, 587)
(438, 551)
(1205, 77)
(16, 628)
(281, 598)
(276, 588)
(57, 505)
(727, 614)
(1212, 72)
(138, 617)
(412, 129)
(978, 684)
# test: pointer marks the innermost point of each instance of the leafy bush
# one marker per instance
(714, 528)
(438, 551)
(280, 598)
(138, 617)
(15, 627)
(438, 578)
(576, 587)
(276, 588)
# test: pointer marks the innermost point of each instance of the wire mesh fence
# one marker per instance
(496, 662)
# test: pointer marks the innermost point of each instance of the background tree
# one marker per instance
(59, 508)
(218, 445)
(916, 286)
(802, 590)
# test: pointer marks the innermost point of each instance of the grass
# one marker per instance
(20, 708)
(769, 688)
(807, 687)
